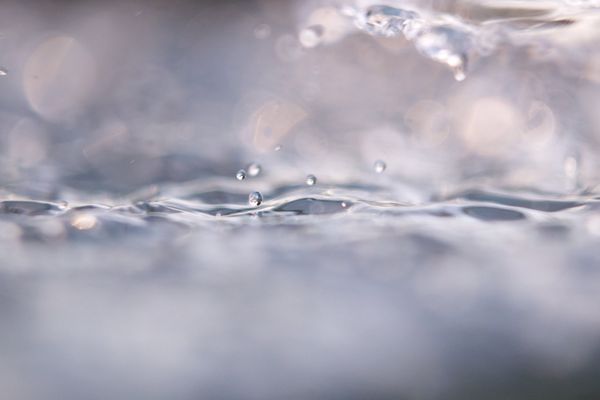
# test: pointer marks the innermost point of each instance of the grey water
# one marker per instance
(269, 199)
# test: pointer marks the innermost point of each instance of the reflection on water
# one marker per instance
(268, 199)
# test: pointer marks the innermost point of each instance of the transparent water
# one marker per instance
(311, 199)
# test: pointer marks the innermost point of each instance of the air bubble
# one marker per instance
(240, 175)
(379, 166)
(311, 180)
(255, 199)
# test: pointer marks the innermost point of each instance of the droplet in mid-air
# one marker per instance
(459, 71)
(240, 175)
(3, 71)
(254, 169)
(311, 180)
(255, 199)
(311, 37)
(379, 166)
(446, 44)
(278, 147)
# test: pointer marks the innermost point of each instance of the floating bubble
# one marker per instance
(311, 180)
(255, 199)
(254, 169)
(240, 175)
(379, 166)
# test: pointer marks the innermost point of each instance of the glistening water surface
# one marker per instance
(300, 200)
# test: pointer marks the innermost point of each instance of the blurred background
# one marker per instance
(114, 96)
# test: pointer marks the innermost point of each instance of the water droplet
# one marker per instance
(278, 148)
(311, 180)
(379, 166)
(459, 73)
(311, 37)
(448, 45)
(262, 31)
(240, 175)
(3, 71)
(255, 199)
(254, 169)
(344, 205)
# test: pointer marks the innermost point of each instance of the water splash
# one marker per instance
(385, 20)
(444, 40)
(455, 42)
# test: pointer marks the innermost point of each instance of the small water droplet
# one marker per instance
(262, 31)
(459, 73)
(240, 175)
(255, 199)
(344, 205)
(3, 71)
(278, 147)
(311, 37)
(311, 180)
(448, 45)
(254, 169)
(379, 166)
